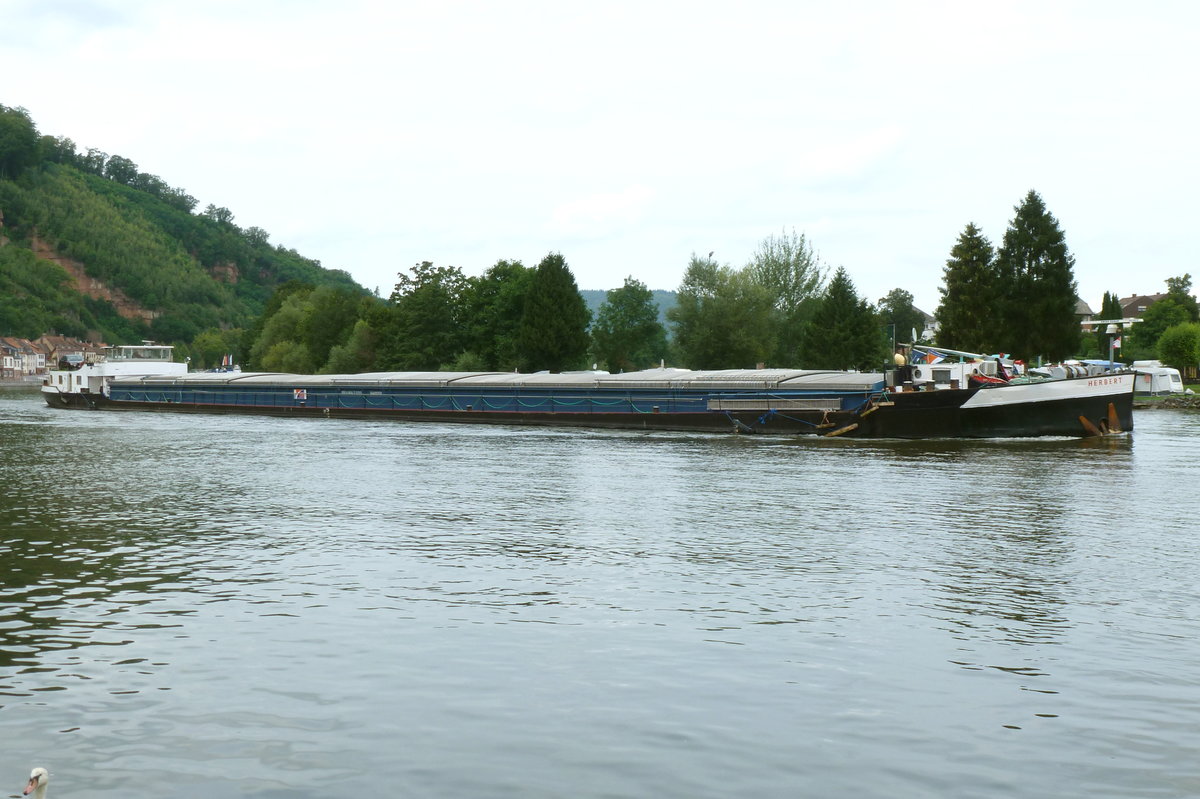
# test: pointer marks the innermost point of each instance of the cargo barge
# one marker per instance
(958, 400)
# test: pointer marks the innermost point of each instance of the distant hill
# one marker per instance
(666, 300)
(90, 247)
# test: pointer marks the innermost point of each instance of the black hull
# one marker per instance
(946, 413)
(78, 402)
(942, 414)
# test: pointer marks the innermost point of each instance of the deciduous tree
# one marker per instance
(218, 214)
(788, 269)
(1176, 308)
(904, 322)
(1180, 288)
(211, 346)
(329, 317)
(121, 170)
(494, 304)
(627, 334)
(280, 346)
(424, 327)
(722, 318)
(356, 355)
(18, 142)
(1179, 346)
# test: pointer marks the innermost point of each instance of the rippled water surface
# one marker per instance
(199, 606)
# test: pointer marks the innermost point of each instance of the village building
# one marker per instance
(20, 358)
(69, 350)
(1136, 305)
(1083, 311)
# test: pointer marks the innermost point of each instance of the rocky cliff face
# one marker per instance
(225, 272)
(93, 287)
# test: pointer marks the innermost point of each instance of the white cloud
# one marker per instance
(628, 135)
(599, 213)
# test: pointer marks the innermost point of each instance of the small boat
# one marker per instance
(943, 399)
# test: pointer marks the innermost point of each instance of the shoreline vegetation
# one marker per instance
(95, 249)
(1172, 401)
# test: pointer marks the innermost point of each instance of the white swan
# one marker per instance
(37, 783)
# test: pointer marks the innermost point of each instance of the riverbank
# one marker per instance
(1186, 401)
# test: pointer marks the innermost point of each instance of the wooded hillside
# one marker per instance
(91, 247)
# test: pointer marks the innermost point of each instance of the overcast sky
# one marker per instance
(628, 135)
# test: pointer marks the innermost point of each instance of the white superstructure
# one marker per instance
(128, 360)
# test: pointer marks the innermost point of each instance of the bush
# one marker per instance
(1179, 345)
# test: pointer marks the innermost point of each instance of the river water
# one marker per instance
(200, 606)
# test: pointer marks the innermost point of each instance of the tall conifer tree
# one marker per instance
(1110, 307)
(1036, 286)
(553, 333)
(844, 332)
(967, 313)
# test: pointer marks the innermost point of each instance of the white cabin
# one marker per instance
(129, 360)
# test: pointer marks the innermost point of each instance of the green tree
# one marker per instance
(722, 317)
(1110, 308)
(174, 326)
(1177, 307)
(210, 347)
(967, 313)
(1179, 346)
(844, 332)
(787, 268)
(627, 334)
(121, 169)
(18, 142)
(93, 161)
(288, 356)
(330, 315)
(494, 304)
(280, 348)
(138, 236)
(554, 323)
(1166, 312)
(1180, 288)
(249, 349)
(356, 355)
(1036, 289)
(423, 329)
(58, 150)
(900, 317)
(218, 214)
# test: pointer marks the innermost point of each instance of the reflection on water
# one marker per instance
(293, 608)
